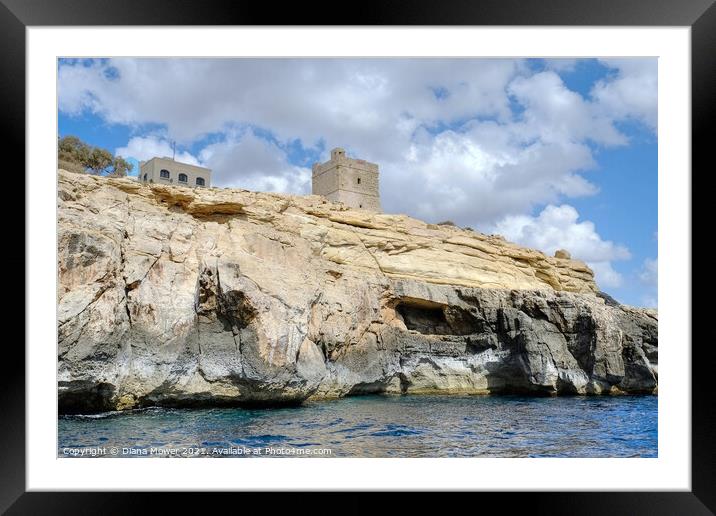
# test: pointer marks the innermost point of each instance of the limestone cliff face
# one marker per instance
(169, 295)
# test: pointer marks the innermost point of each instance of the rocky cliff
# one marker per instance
(169, 295)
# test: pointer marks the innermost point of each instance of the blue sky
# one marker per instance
(551, 153)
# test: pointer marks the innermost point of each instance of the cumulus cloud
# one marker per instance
(632, 92)
(341, 101)
(605, 275)
(481, 173)
(555, 114)
(147, 147)
(558, 227)
(246, 161)
(561, 64)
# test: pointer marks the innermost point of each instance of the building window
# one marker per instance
(360, 205)
(183, 178)
(145, 177)
(200, 181)
(358, 180)
(164, 174)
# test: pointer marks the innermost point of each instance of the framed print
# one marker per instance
(424, 250)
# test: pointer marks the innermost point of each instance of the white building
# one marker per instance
(167, 171)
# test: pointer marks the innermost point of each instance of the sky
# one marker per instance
(551, 153)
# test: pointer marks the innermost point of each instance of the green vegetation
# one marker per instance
(75, 155)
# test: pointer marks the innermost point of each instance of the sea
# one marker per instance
(376, 426)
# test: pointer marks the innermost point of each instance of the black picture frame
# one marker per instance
(17, 15)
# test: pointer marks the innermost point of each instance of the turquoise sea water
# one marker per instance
(378, 426)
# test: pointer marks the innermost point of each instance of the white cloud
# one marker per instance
(356, 101)
(147, 147)
(555, 114)
(557, 227)
(480, 174)
(632, 93)
(561, 64)
(246, 161)
(605, 275)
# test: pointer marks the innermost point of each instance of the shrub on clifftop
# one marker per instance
(75, 155)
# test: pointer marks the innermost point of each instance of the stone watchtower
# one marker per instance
(354, 182)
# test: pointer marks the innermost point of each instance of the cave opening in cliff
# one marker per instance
(431, 318)
(424, 319)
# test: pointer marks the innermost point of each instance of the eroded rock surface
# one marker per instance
(174, 296)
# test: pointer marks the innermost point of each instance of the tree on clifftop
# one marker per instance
(76, 156)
